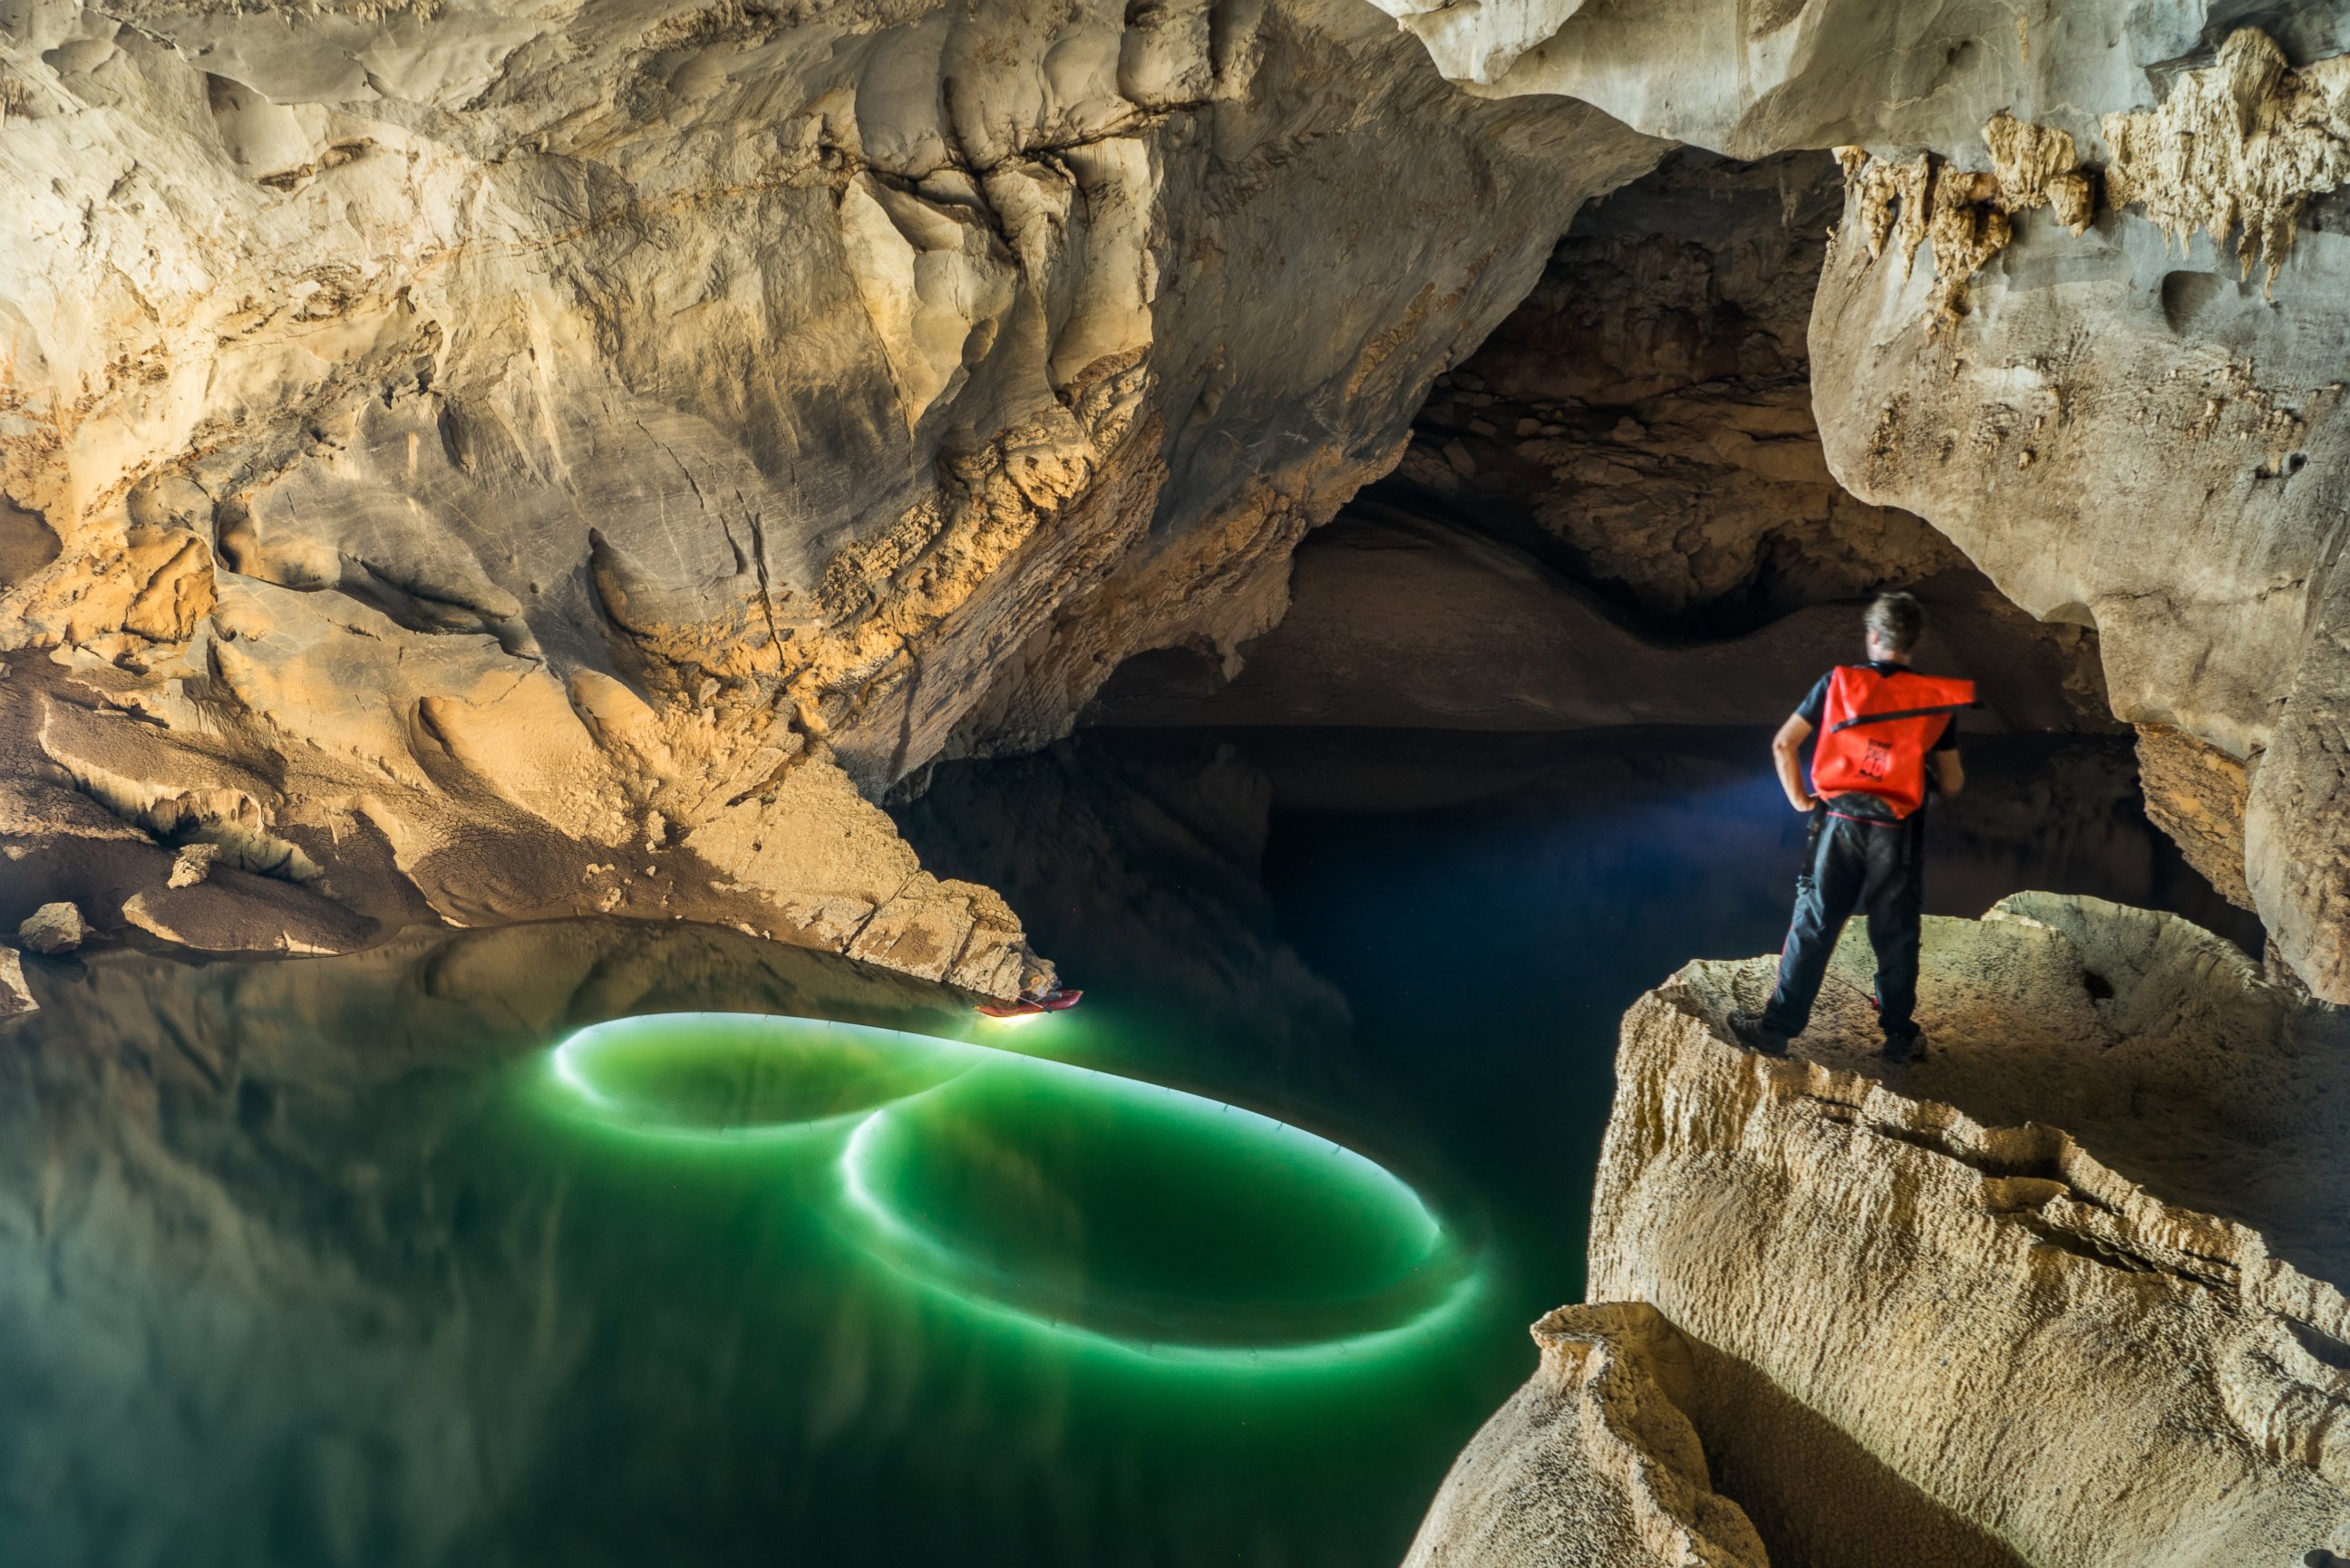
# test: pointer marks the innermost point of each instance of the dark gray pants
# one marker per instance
(1871, 867)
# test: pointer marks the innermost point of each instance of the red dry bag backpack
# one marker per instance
(1876, 730)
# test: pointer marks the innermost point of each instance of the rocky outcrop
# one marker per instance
(483, 466)
(1592, 1465)
(2066, 1292)
(15, 996)
(2118, 435)
(2196, 793)
(54, 927)
(1146, 863)
(1622, 479)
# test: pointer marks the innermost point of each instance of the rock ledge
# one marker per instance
(1925, 1325)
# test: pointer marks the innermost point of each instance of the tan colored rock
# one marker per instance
(15, 996)
(1752, 77)
(194, 864)
(56, 928)
(234, 911)
(2197, 794)
(2119, 437)
(1591, 1464)
(608, 416)
(2237, 150)
(1966, 217)
(2062, 1294)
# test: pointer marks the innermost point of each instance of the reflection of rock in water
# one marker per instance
(264, 1297)
(1143, 856)
(277, 1280)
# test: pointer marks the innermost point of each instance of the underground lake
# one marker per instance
(610, 1241)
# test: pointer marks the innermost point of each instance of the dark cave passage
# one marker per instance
(1618, 511)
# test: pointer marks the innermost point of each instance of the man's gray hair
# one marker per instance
(1897, 619)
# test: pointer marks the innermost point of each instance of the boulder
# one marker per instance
(54, 927)
(15, 996)
(1591, 1464)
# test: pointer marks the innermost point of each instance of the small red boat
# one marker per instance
(1029, 1006)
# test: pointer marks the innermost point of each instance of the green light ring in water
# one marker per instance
(618, 1114)
(931, 1264)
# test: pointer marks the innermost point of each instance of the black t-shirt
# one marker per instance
(1813, 711)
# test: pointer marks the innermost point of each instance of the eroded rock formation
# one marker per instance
(1618, 511)
(1398, 620)
(2067, 1292)
(2126, 437)
(1594, 1464)
(484, 465)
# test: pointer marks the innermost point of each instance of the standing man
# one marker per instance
(1885, 729)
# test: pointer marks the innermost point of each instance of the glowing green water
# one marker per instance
(1107, 1216)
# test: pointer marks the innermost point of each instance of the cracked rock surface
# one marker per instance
(484, 465)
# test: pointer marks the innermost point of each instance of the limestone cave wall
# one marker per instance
(478, 464)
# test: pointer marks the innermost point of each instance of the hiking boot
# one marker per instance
(1755, 1035)
(1901, 1049)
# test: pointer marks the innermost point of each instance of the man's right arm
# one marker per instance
(1787, 755)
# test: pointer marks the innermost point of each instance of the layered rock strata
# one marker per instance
(2064, 1293)
(491, 466)
(2082, 316)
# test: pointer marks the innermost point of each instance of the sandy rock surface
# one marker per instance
(2067, 1292)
